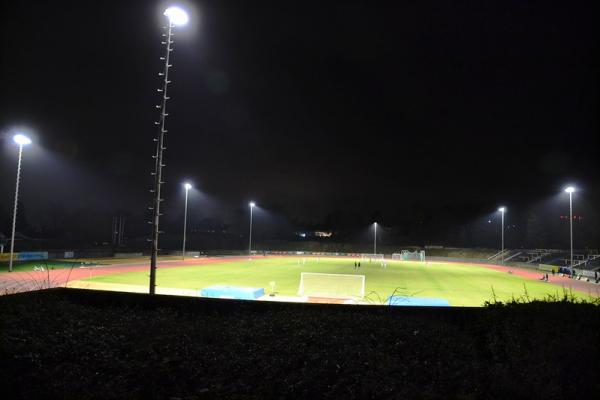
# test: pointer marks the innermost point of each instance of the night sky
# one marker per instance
(307, 108)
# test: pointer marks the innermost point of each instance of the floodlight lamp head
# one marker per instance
(21, 139)
(502, 209)
(252, 204)
(176, 16)
(187, 186)
(570, 189)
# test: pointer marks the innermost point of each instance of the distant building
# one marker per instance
(323, 234)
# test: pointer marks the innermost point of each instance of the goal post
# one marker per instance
(406, 255)
(341, 286)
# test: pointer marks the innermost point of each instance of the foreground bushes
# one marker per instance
(93, 345)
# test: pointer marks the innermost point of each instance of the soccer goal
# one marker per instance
(341, 286)
(406, 255)
(366, 256)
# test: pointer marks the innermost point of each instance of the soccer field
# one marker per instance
(459, 284)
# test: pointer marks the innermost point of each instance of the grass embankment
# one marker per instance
(99, 345)
(125, 260)
(27, 266)
(460, 284)
(34, 265)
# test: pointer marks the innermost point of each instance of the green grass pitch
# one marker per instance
(460, 284)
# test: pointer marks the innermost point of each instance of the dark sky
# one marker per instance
(303, 106)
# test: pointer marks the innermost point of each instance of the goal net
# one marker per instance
(406, 255)
(313, 284)
(366, 256)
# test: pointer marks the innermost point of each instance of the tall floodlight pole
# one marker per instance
(21, 140)
(176, 17)
(375, 238)
(187, 189)
(251, 205)
(502, 211)
(571, 190)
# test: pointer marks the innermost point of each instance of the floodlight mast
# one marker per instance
(251, 205)
(187, 189)
(21, 140)
(571, 190)
(175, 17)
(375, 238)
(502, 211)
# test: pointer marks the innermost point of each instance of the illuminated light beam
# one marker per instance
(177, 16)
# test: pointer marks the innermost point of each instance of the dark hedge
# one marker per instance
(73, 344)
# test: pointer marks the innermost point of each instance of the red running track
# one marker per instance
(562, 281)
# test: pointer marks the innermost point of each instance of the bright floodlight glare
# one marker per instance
(570, 189)
(502, 209)
(21, 139)
(177, 16)
(252, 204)
(188, 186)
